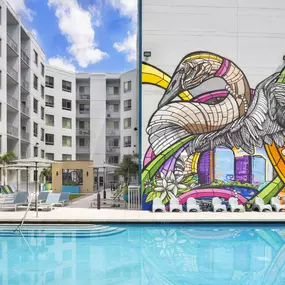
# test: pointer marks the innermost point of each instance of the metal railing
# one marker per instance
(19, 227)
(83, 149)
(12, 131)
(12, 43)
(49, 104)
(13, 102)
(134, 198)
(113, 149)
(25, 135)
(25, 57)
(112, 132)
(12, 72)
(113, 115)
(82, 132)
(83, 96)
(25, 110)
(113, 97)
(25, 83)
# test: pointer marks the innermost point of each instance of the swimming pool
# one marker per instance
(143, 254)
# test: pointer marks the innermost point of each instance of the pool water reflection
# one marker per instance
(150, 254)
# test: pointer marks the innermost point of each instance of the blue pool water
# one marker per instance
(145, 255)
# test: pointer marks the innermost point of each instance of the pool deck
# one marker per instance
(77, 215)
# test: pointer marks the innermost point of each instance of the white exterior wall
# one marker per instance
(250, 33)
(57, 130)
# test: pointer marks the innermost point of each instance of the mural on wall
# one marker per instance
(226, 142)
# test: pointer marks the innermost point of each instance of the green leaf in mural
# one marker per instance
(181, 191)
(152, 196)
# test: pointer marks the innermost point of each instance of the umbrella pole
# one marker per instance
(36, 183)
(98, 193)
(17, 180)
(27, 182)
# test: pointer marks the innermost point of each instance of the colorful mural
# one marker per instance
(225, 142)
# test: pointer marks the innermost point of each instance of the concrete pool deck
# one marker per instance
(77, 215)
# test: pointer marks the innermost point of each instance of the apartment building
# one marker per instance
(60, 114)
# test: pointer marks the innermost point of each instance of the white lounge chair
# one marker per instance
(259, 205)
(275, 204)
(20, 200)
(192, 205)
(64, 199)
(234, 206)
(157, 205)
(52, 200)
(174, 205)
(218, 206)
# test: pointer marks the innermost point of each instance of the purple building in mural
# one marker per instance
(205, 168)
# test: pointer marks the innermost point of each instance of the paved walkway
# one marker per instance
(71, 215)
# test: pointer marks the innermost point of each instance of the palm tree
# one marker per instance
(5, 159)
(128, 167)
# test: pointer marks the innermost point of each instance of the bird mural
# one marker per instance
(188, 124)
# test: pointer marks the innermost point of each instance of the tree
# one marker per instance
(128, 167)
(5, 159)
(46, 174)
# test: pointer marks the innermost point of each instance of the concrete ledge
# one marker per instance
(77, 215)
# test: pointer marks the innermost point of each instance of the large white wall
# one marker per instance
(250, 33)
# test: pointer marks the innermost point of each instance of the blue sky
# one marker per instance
(83, 35)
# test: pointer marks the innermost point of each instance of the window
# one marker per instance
(81, 124)
(116, 90)
(0, 15)
(66, 86)
(49, 101)
(116, 108)
(42, 113)
(50, 120)
(127, 141)
(35, 130)
(42, 134)
(36, 82)
(84, 109)
(113, 142)
(49, 139)
(49, 156)
(66, 141)
(35, 105)
(66, 104)
(113, 90)
(127, 123)
(42, 70)
(0, 47)
(66, 157)
(42, 153)
(42, 91)
(81, 142)
(127, 86)
(84, 90)
(66, 123)
(49, 81)
(0, 111)
(113, 159)
(0, 79)
(36, 150)
(36, 57)
(127, 105)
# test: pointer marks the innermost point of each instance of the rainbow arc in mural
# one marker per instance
(223, 143)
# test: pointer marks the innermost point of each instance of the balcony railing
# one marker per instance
(113, 115)
(13, 102)
(113, 149)
(82, 132)
(83, 149)
(25, 83)
(25, 110)
(49, 104)
(113, 97)
(12, 131)
(25, 57)
(25, 135)
(83, 96)
(113, 132)
(12, 43)
(12, 72)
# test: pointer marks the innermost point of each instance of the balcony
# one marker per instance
(113, 115)
(12, 44)
(25, 110)
(113, 132)
(25, 83)
(12, 131)
(82, 132)
(83, 97)
(113, 150)
(12, 73)
(83, 149)
(25, 57)
(12, 102)
(25, 135)
(83, 113)
(113, 97)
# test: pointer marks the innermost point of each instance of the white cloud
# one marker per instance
(20, 7)
(61, 63)
(128, 45)
(75, 24)
(95, 12)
